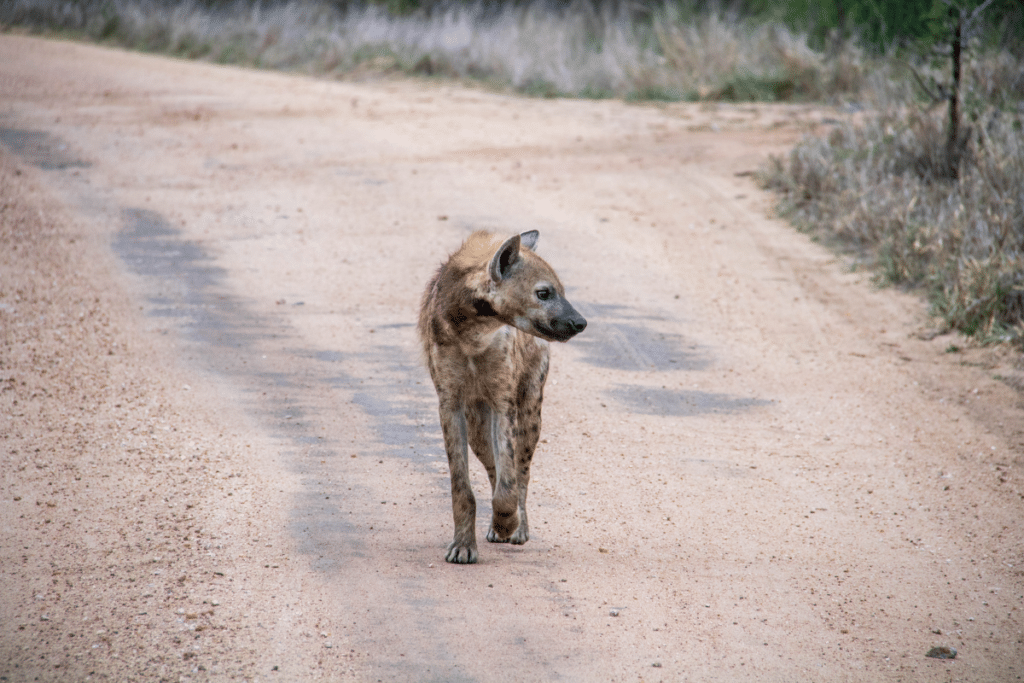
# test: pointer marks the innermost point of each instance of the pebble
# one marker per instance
(941, 652)
(613, 612)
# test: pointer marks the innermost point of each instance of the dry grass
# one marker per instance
(578, 52)
(723, 58)
(883, 190)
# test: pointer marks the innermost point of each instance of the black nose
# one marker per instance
(567, 328)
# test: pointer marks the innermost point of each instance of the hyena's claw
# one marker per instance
(460, 554)
(521, 536)
(492, 537)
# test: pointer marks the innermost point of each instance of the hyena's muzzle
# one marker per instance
(562, 322)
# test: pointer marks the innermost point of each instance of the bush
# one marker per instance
(882, 190)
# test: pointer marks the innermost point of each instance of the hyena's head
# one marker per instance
(528, 294)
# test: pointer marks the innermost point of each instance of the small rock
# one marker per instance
(328, 644)
(613, 612)
(941, 652)
(656, 665)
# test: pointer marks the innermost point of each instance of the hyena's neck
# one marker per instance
(470, 311)
(482, 335)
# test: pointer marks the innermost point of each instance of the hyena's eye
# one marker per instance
(543, 293)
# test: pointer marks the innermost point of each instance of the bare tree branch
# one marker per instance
(928, 91)
(969, 21)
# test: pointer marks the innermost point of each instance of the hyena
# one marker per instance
(486, 320)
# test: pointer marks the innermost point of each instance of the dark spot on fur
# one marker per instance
(456, 317)
(483, 308)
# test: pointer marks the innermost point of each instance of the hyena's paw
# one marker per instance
(503, 527)
(519, 537)
(459, 553)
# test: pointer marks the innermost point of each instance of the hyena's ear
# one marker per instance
(505, 258)
(529, 239)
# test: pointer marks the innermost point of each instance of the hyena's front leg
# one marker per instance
(462, 549)
(490, 436)
(527, 433)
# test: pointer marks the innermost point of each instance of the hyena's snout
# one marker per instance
(567, 322)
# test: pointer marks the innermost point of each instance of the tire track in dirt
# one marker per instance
(186, 291)
(286, 395)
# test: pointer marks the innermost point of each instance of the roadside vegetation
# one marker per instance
(923, 181)
(882, 191)
(673, 51)
(927, 187)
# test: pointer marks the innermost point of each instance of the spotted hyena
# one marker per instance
(486, 320)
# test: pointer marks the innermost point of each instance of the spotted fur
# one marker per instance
(485, 323)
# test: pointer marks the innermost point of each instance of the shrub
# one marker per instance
(881, 189)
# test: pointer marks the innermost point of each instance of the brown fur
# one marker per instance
(485, 323)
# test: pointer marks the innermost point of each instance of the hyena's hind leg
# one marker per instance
(490, 439)
(462, 549)
(527, 434)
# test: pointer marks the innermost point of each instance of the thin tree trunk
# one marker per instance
(953, 143)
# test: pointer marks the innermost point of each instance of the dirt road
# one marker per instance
(221, 457)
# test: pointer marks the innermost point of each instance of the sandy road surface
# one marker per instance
(221, 457)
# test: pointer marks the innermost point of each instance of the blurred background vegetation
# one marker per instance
(920, 174)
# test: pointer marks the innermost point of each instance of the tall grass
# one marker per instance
(672, 52)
